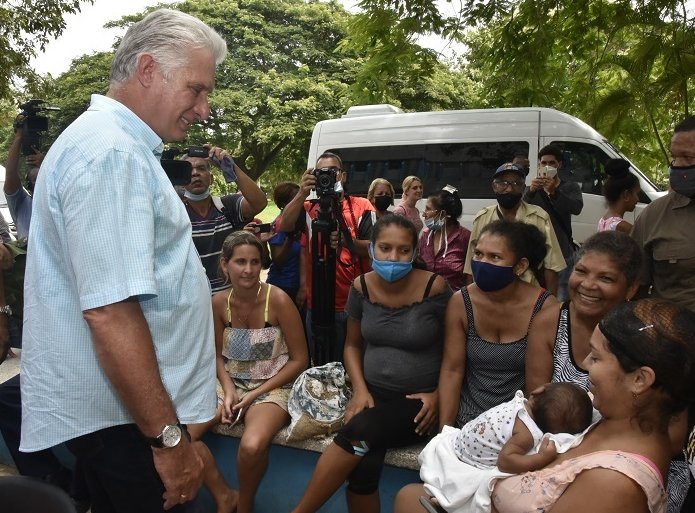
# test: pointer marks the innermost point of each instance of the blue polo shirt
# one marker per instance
(107, 225)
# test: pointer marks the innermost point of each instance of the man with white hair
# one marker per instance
(119, 343)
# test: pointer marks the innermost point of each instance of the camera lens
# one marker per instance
(324, 181)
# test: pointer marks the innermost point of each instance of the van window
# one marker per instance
(583, 163)
(466, 166)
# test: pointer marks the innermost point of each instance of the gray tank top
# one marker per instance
(494, 371)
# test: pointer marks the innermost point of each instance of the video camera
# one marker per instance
(179, 171)
(32, 125)
(325, 181)
(192, 151)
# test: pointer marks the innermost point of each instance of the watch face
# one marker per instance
(171, 436)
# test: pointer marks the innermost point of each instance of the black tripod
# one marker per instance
(323, 281)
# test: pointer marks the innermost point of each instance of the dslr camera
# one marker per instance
(325, 181)
(32, 125)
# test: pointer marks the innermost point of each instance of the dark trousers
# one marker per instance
(120, 473)
(38, 464)
(387, 425)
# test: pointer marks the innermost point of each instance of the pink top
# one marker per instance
(609, 224)
(411, 213)
(538, 491)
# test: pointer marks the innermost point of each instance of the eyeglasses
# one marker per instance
(501, 185)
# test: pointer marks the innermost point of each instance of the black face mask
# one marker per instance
(382, 203)
(508, 199)
(682, 180)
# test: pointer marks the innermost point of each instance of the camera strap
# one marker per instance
(343, 228)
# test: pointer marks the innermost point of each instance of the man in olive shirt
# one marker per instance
(665, 228)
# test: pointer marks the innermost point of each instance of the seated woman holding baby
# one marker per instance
(641, 367)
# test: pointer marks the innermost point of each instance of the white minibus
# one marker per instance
(463, 148)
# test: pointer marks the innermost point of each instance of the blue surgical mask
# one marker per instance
(196, 197)
(338, 187)
(490, 277)
(434, 223)
(388, 269)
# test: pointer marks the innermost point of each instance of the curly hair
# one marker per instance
(620, 248)
(525, 240)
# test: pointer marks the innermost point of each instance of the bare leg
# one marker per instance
(408, 499)
(261, 423)
(358, 503)
(225, 497)
(332, 469)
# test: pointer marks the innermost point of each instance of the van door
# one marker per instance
(584, 163)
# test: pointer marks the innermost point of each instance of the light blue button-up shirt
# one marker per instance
(107, 225)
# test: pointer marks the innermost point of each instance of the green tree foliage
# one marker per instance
(625, 67)
(24, 26)
(285, 71)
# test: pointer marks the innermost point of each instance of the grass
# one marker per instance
(270, 212)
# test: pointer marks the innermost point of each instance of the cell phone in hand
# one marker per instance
(262, 228)
(237, 419)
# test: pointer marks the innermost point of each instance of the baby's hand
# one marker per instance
(547, 449)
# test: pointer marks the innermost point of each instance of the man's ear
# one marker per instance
(146, 69)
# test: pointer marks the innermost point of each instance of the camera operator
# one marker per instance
(348, 265)
(211, 225)
(19, 199)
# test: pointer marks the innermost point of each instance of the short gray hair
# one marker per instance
(169, 36)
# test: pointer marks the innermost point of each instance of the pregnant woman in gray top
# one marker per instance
(393, 352)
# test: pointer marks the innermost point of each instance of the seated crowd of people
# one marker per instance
(541, 376)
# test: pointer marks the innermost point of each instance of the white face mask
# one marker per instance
(196, 197)
(338, 187)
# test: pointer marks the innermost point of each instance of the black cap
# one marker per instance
(509, 167)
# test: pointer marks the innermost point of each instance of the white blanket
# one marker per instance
(462, 488)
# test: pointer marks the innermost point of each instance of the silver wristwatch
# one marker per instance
(169, 437)
(6, 310)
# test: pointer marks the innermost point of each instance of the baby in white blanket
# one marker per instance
(506, 439)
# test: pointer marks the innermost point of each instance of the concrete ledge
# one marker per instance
(404, 457)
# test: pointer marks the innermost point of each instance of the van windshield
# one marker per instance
(466, 166)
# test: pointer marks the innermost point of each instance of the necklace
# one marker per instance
(244, 320)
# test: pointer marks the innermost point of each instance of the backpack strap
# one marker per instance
(217, 201)
(228, 206)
